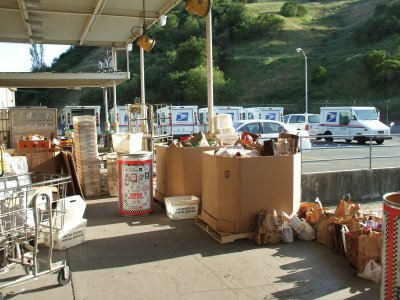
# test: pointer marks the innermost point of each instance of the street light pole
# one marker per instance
(305, 75)
(387, 112)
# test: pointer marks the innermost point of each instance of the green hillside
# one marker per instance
(258, 64)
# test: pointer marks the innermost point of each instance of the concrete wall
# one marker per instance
(360, 184)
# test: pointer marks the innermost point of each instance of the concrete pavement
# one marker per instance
(152, 257)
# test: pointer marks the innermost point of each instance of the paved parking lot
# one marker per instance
(152, 257)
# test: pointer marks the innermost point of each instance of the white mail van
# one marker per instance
(234, 111)
(181, 120)
(264, 113)
(353, 123)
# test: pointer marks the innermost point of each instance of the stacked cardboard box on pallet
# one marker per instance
(112, 174)
(235, 189)
(87, 156)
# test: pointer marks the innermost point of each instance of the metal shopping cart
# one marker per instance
(32, 206)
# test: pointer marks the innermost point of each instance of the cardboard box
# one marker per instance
(69, 236)
(179, 170)
(42, 160)
(235, 189)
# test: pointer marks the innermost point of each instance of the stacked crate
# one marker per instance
(87, 156)
(112, 173)
(103, 182)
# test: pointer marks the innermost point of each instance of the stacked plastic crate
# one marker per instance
(112, 173)
(87, 155)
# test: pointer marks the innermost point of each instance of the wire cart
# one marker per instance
(32, 206)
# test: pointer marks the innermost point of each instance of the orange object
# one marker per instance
(34, 144)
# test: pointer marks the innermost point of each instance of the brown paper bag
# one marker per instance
(346, 207)
(362, 246)
(268, 228)
(352, 225)
(326, 230)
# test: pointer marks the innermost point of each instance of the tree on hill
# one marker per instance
(37, 58)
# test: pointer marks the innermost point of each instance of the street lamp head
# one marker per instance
(298, 50)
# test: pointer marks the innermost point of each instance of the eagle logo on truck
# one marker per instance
(269, 116)
(182, 117)
(331, 117)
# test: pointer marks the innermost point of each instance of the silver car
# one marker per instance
(268, 129)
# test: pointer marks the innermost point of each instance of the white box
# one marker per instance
(68, 236)
(181, 207)
(127, 143)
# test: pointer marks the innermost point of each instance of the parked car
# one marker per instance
(300, 122)
(268, 129)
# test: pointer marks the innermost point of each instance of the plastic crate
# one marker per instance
(182, 207)
(40, 144)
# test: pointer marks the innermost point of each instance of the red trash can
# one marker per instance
(135, 181)
(390, 286)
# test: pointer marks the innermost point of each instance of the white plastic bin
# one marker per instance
(182, 207)
(127, 143)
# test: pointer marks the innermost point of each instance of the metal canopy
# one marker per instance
(78, 22)
(61, 80)
(109, 23)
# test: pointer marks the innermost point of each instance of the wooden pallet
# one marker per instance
(222, 237)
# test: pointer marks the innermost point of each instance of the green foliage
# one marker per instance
(383, 68)
(267, 25)
(384, 23)
(388, 72)
(72, 57)
(318, 75)
(292, 9)
(374, 58)
(190, 54)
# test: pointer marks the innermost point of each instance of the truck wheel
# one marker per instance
(328, 139)
(348, 141)
(361, 140)
(379, 142)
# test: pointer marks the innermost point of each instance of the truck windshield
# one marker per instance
(363, 114)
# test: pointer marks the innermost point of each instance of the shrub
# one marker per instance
(292, 9)
(318, 75)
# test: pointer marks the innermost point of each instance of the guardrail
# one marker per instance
(317, 158)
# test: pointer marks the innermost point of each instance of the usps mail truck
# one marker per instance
(263, 113)
(180, 120)
(235, 111)
(122, 118)
(73, 111)
(353, 123)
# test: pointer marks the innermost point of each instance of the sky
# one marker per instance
(15, 57)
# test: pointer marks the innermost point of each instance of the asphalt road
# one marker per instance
(340, 155)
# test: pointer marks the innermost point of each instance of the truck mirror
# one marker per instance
(391, 124)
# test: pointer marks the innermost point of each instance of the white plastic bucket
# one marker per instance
(135, 172)
(127, 142)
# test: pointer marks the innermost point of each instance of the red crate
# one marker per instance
(42, 144)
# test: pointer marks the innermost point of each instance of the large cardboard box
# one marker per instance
(179, 171)
(235, 189)
(42, 160)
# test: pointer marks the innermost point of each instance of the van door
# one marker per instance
(183, 121)
(270, 115)
(344, 125)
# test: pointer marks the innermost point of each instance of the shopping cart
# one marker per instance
(32, 206)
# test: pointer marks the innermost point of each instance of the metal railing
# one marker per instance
(348, 156)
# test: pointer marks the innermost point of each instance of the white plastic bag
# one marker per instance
(372, 271)
(308, 233)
